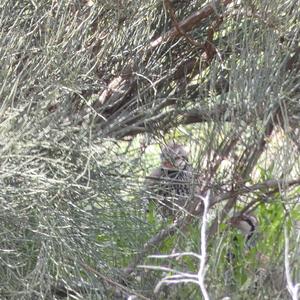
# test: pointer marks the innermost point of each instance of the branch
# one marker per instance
(195, 210)
(181, 223)
(177, 26)
(268, 184)
(293, 289)
(61, 289)
(166, 120)
(246, 165)
(202, 270)
(184, 277)
(190, 23)
(153, 242)
(125, 81)
(113, 283)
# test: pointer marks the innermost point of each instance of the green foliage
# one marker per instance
(91, 90)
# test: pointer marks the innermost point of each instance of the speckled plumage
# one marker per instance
(170, 186)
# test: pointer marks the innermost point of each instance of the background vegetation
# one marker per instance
(90, 89)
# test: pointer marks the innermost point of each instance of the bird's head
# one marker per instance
(246, 223)
(174, 156)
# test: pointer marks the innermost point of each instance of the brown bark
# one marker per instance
(123, 84)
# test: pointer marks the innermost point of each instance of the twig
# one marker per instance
(125, 83)
(111, 282)
(154, 241)
(183, 277)
(268, 184)
(179, 224)
(189, 23)
(251, 156)
(202, 270)
(177, 26)
(293, 289)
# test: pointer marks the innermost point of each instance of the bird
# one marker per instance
(247, 224)
(258, 269)
(170, 186)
